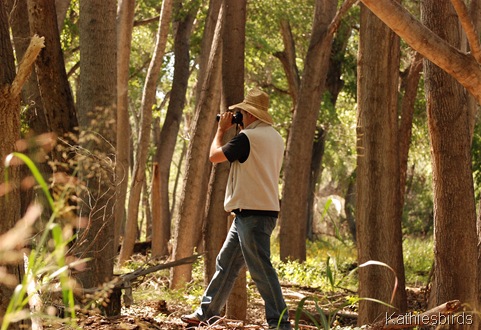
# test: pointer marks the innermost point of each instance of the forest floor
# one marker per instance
(166, 316)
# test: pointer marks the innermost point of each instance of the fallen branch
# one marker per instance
(125, 280)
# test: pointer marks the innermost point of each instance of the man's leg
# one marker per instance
(228, 264)
(254, 233)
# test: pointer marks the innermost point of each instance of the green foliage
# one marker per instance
(418, 259)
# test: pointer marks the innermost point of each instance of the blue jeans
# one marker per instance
(247, 243)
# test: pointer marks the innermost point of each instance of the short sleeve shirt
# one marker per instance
(237, 149)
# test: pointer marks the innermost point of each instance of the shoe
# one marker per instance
(191, 319)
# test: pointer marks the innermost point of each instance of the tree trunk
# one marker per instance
(148, 100)
(53, 83)
(378, 215)
(125, 24)
(97, 98)
(410, 85)
(61, 9)
(10, 123)
(10, 89)
(233, 57)
(214, 228)
(454, 206)
(293, 215)
(192, 202)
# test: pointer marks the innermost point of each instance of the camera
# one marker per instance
(236, 118)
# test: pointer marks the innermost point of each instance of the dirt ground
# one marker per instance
(160, 315)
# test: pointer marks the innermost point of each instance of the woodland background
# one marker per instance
(108, 110)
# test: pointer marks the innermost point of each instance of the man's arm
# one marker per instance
(216, 154)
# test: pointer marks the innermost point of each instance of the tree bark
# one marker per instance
(10, 123)
(233, 57)
(378, 210)
(454, 212)
(53, 83)
(97, 98)
(125, 25)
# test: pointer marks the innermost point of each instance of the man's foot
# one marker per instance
(191, 319)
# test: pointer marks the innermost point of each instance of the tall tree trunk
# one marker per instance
(454, 206)
(293, 216)
(170, 129)
(214, 227)
(148, 100)
(192, 202)
(125, 25)
(233, 50)
(10, 89)
(97, 98)
(378, 215)
(10, 123)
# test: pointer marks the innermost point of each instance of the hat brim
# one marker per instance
(260, 114)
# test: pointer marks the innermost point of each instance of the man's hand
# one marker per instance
(225, 121)
(216, 154)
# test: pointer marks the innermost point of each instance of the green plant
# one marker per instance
(46, 263)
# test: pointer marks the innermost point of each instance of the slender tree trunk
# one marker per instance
(125, 24)
(454, 206)
(148, 100)
(410, 84)
(62, 8)
(214, 227)
(378, 215)
(170, 130)
(192, 203)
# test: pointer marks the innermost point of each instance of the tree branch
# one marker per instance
(288, 60)
(28, 60)
(469, 28)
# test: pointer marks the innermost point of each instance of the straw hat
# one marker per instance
(256, 103)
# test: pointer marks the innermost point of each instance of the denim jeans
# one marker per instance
(247, 243)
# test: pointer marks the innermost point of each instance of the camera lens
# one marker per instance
(236, 118)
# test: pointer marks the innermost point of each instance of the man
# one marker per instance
(252, 193)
